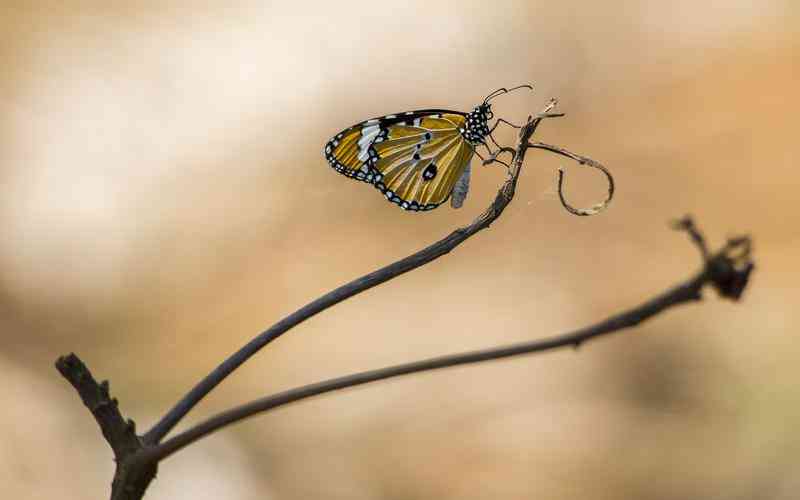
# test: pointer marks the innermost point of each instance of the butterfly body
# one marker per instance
(415, 158)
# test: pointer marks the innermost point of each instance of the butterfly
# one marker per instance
(416, 159)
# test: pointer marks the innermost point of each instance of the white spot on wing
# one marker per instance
(368, 133)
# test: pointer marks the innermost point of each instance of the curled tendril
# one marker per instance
(517, 155)
(588, 162)
(597, 207)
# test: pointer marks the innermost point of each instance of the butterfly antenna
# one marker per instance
(504, 90)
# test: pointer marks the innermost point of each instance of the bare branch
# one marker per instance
(422, 257)
(727, 271)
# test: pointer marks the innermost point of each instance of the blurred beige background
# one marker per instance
(163, 198)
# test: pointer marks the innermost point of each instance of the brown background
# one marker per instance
(163, 198)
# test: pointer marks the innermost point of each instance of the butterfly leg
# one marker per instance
(540, 115)
(494, 127)
(499, 120)
(488, 149)
(483, 160)
(494, 154)
(493, 140)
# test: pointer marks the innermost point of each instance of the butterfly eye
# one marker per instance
(490, 115)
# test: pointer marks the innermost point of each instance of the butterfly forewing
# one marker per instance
(414, 159)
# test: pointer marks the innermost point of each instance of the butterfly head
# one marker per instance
(477, 126)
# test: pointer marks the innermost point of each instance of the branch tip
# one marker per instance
(730, 268)
(686, 223)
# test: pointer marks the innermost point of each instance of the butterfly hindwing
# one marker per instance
(461, 189)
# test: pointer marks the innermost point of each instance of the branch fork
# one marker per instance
(138, 456)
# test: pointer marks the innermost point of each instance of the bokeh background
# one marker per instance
(163, 198)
